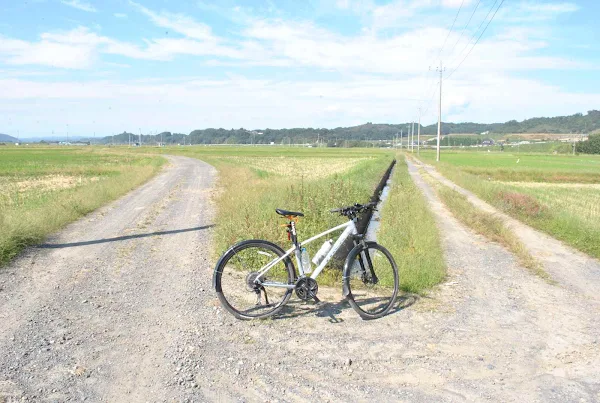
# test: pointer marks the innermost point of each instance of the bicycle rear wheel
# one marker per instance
(370, 280)
(235, 274)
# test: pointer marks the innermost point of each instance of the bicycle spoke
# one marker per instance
(240, 293)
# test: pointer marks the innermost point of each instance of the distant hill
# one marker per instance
(578, 123)
(5, 138)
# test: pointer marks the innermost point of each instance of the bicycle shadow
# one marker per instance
(297, 308)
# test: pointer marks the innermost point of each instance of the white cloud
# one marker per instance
(239, 102)
(47, 52)
(545, 7)
(373, 69)
(179, 23)
(456, 3)
(80, 5)
(120, 15)
(343, 4)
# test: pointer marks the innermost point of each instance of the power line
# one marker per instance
(451, 28)
(477, 30)
(465, 27)
(477, 41)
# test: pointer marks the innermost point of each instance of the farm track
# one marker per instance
(570, 268)
(119, 307)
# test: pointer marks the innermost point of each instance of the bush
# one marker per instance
(590, 146)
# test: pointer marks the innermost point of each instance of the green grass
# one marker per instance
(43, 189)
(541, 190)
(510, 166)
(408, 229)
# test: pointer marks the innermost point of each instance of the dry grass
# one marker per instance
(488, 225)
(307, 167)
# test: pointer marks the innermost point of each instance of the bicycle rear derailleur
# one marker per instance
(307, 288)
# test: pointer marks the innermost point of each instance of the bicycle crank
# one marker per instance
(307, 288)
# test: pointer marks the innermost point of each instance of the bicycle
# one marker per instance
(247, 269)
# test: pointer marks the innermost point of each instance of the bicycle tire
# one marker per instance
(371, 293)
(234, 277)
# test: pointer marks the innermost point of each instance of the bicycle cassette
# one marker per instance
(307, 288)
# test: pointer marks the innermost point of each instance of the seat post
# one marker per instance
(293, 233)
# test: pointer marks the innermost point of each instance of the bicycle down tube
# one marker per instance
(349, 229)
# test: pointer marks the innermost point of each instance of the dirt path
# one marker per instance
(133, 318)
(571, 268)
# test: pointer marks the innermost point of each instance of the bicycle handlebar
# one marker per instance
(354, 209)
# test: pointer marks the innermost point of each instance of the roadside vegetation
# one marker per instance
(486, 224)
(408, 229)
(43, 189)
(253, 181)
(557, 194)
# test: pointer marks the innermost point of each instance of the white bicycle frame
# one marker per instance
(349, 229)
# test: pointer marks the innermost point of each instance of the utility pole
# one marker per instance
(439, 133)
(419, 134)
(412, 137)
(140, 136)
(401, 134)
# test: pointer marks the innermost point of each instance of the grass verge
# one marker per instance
(409, 231)
(43, 190)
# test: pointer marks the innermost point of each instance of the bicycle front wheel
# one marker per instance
(235, 274)
(370, 280)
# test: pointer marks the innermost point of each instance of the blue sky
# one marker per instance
(89, 66)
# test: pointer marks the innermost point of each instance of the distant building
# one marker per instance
(485, 133)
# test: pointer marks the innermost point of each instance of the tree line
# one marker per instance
(366, 133)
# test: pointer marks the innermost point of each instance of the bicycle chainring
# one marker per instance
(306, 288)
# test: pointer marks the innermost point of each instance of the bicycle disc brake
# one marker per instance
(307, 288)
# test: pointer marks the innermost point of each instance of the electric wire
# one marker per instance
(465, 28)
(475, 32)
(476, 42)
(451, 28)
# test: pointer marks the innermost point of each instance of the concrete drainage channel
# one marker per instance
(369, 223)
(373, 224)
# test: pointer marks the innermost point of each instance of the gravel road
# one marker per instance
(119, 307)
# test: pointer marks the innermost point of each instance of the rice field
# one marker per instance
(308, 168)
(581, 200)
(44, 188)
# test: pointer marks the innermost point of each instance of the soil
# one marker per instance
(119, 307)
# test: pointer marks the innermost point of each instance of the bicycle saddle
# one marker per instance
(288, 213)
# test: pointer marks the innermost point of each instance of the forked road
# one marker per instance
(119, 307)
